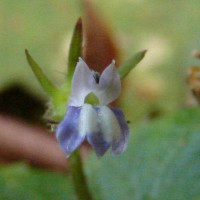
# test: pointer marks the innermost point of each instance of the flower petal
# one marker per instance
(120, 141)
(98, 142)
(82, 83)
(109, 87)
(89, 124)
(109, 127)
(67, 133)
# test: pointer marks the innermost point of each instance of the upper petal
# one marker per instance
(67, 133)
(82, 83)
(120, 141)
(109, 87)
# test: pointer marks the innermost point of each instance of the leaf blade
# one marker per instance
(125, 69)
(75, 50)
(46, 84)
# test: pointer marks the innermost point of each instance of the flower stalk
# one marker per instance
(78, 177)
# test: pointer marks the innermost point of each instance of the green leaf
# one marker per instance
(46, 84)
(161, 162)
(75, 49)
(125, 69)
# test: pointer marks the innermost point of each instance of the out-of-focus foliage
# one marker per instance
(170, 32)
(22, 183)
(162, 162)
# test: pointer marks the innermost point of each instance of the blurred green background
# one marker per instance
(170, 31)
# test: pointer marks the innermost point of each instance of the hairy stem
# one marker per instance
(78, 177)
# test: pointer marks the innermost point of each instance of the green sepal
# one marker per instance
(58, 104)
(92, 99)
(75, 50)
(46, 84)
(125, 69)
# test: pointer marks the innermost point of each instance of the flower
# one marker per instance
(101, 125)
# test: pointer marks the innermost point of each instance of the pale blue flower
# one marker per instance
(102, 126)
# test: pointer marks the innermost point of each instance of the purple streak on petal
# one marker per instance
(67, 132)
(82, 83)
(97, 139)
(119, 144)
(109, 87)
(98, 143)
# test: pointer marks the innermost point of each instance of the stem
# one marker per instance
(78, 177)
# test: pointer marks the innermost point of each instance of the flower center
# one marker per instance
(96, 76)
